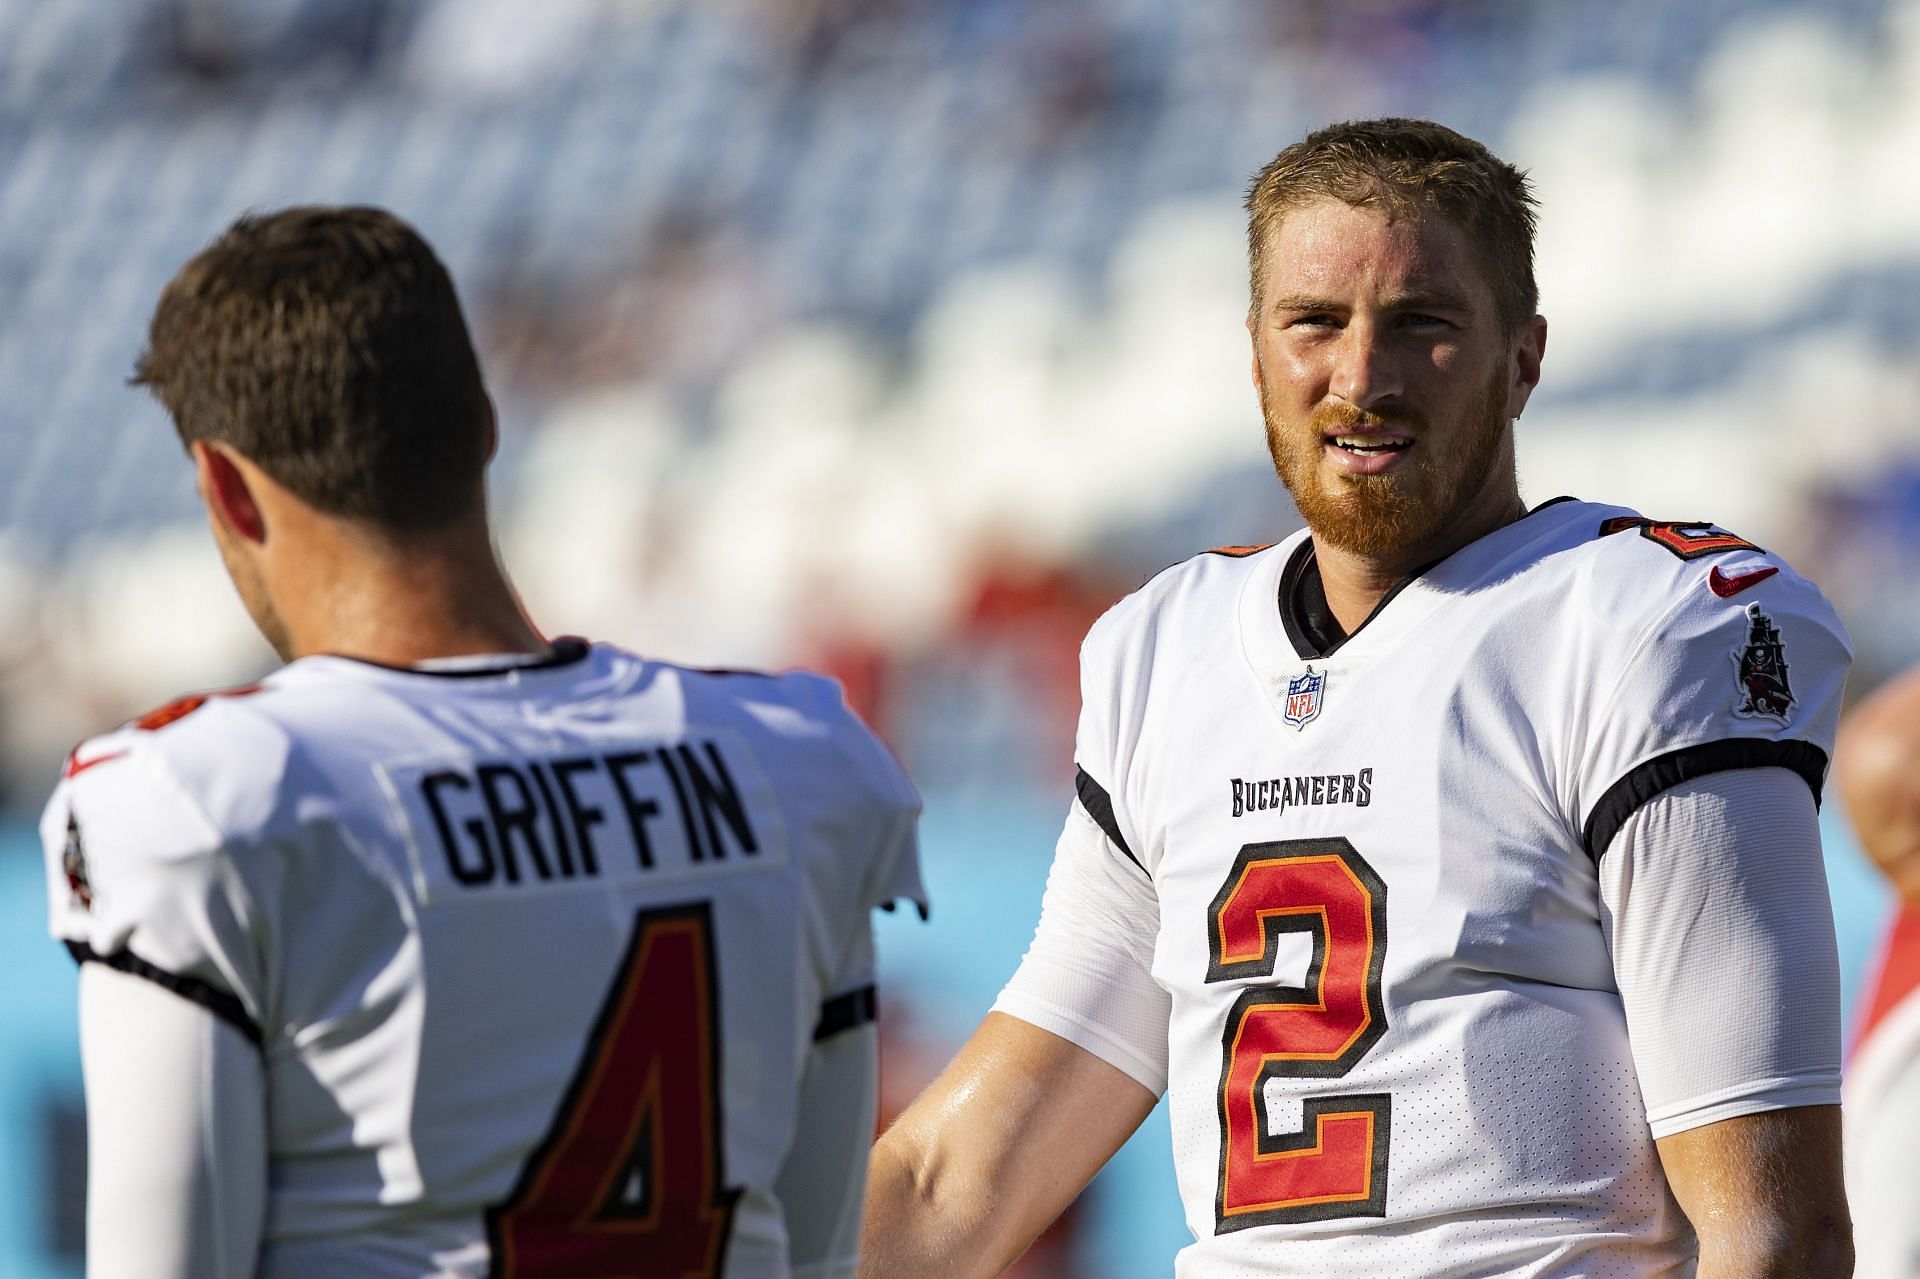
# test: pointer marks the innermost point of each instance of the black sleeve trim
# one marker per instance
(1099, 806)
(220, 1003)
(1657, 776)
(844, 1012)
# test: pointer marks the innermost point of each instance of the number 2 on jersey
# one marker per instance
(1336, 1165)
(629, 1182)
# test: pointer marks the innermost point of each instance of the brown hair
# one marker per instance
(327, 346)
(1409, 168)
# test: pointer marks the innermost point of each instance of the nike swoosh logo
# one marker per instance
(77, 766)
(1728, 587)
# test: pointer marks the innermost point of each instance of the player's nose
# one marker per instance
(1364, 371)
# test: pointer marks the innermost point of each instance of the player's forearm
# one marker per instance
(925, 1218)
(992, 1151)
(1765, 1194)
(1820, 1249)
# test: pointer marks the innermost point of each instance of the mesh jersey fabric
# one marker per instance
(1394, 1038)
(431, 901)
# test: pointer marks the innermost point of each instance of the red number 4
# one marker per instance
(1336, 1166)
(629, 1182)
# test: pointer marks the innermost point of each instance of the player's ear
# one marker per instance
(1529, 347)
(224, 488)
(493, 428)
(1253, 339)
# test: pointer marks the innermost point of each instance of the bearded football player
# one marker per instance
(447, 949)
(1451, 866)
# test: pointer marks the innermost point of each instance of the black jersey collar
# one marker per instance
(567, 650)
(1311, 626)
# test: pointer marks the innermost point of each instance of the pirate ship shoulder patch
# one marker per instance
(73, 863)
(1760, 666)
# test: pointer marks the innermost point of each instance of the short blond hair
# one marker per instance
(1410, 168)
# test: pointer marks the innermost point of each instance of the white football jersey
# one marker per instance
(1367, 869)
(1883, 1115)
(533, 956)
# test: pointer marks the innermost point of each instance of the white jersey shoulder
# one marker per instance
(1183, 610)
(1438, 788)
(423, 892)
(1179, 596)
(1648, 637)
(137, 863)
(1672, 650)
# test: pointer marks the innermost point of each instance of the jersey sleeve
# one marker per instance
(1714, 902)
(1088, 974)
(1744, 668)
(892, 808)
(138, 879)
(876, 863)
(176, 1135)
(1110, 698)
(823, 1181)
(896, 869)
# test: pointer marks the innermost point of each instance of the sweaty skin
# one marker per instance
(1763, 1194)
(992, 1152)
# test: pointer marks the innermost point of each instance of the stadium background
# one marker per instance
(900, 337)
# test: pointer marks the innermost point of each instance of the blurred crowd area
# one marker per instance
(902, 337)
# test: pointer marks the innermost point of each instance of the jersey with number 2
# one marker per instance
(1394, 1044)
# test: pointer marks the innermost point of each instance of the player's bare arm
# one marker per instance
(1764, 1194)
(993, 1151)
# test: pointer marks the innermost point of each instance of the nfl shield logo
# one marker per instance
(1303, 698)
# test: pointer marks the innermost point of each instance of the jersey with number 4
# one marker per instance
(533, 956)
(1395, 1044)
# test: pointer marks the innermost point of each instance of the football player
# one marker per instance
(1451, 865)
(447, 949)
(1878, 766)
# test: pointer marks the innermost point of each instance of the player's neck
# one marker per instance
(1355, 583)
(441, 595)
